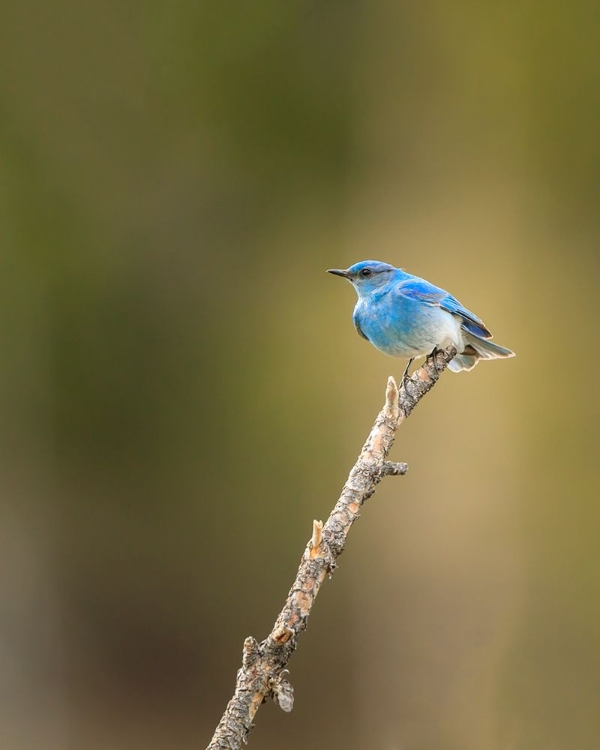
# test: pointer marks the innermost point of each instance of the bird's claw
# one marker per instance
(405, 376)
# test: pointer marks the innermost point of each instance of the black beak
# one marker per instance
(339, 272)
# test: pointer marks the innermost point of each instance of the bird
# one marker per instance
(405, 316)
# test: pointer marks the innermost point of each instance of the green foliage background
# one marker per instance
(182, 391)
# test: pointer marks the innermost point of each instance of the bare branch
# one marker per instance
(263, 672)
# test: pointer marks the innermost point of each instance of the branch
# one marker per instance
(263, 672)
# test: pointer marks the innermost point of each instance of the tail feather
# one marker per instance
(477, 348)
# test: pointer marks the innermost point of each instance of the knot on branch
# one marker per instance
(281, 635)
(319, 549)
(376, 472)
(393, 469)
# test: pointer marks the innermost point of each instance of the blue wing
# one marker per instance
(423, 291)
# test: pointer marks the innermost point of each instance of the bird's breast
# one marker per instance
(401, 327)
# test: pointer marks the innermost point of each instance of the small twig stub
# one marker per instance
(316, 539)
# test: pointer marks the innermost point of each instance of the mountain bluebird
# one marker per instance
(405, 316)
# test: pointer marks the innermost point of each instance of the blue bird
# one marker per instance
(405, 316)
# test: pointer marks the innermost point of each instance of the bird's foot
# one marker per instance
(405, 375)
(431, 357)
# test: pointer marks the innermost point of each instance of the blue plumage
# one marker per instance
(405, 316)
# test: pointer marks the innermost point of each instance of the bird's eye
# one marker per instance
(366, 272)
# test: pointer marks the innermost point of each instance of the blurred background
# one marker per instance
(182, 390)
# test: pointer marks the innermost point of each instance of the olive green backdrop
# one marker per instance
(182, 390)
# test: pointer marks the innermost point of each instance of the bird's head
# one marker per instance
(366, 276)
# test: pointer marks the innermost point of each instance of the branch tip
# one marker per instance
(250, 651)
(391, 398)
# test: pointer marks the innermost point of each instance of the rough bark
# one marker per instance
(263, 672)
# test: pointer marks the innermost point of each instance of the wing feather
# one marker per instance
(432, 295)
